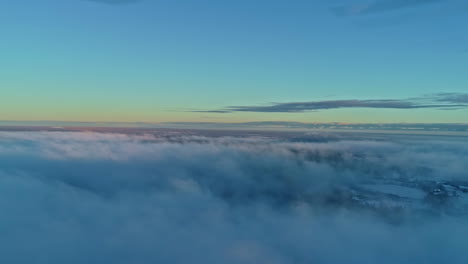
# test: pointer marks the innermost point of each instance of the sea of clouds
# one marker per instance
(84, 197)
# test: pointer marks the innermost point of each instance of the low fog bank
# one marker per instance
(184, 198)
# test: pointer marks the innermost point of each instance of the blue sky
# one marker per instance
(181, 60)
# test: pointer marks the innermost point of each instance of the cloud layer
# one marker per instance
(190, 197)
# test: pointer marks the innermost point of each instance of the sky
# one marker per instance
(356, 61)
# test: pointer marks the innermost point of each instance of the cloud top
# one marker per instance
(188, 197)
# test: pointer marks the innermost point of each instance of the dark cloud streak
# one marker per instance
(438, 101)
(452, 98)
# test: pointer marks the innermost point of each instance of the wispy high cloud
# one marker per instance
(115, 2)
(379, 6)
(441, 101)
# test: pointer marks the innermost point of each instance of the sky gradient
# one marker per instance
(190, 61)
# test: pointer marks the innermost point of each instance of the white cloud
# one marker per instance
(144, 198)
